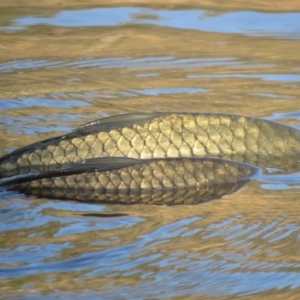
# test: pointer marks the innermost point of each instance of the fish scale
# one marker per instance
(246, 139)
(190, 196)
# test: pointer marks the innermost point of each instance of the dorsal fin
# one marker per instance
(101, 164)
(106, 124)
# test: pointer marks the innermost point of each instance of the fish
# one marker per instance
(160, 181)
(263, 143)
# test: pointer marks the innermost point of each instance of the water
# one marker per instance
(62, 66)
(283, 25)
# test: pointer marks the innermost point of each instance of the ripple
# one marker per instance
(276, 25)
(33, 253)
(265, 77)
(294, 115)
(163, 263)
(24, 102)
(36, 217)
(27, 64)
(163, 62)
(271, 95)
(156, 92)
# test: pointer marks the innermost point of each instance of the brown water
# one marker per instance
(64, 64)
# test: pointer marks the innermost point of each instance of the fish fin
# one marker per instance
(102, 164)
(84, 166)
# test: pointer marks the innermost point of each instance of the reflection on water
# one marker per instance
(26, 64)
(210, 251)
(111, 63)
(56, 77)
(284, 25)
(272, 95)
(268, 77)
(36, 102)
(182, 90)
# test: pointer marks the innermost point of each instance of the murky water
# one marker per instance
(62, 65)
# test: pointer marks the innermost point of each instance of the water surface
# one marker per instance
(283, 25)
(64, 67)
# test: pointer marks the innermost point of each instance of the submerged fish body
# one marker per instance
(176, 197)
(160, 135)
(130, 181)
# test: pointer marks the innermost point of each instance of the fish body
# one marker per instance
(251, 140)
(130, 181)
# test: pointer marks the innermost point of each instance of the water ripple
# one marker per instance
(277, 25)
(24, 102)
(265, 77)
(163, 62)
(27, 64)
(197, 255)
(73, 224)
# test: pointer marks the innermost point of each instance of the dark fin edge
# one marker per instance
(108, 164)
(85, 166)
